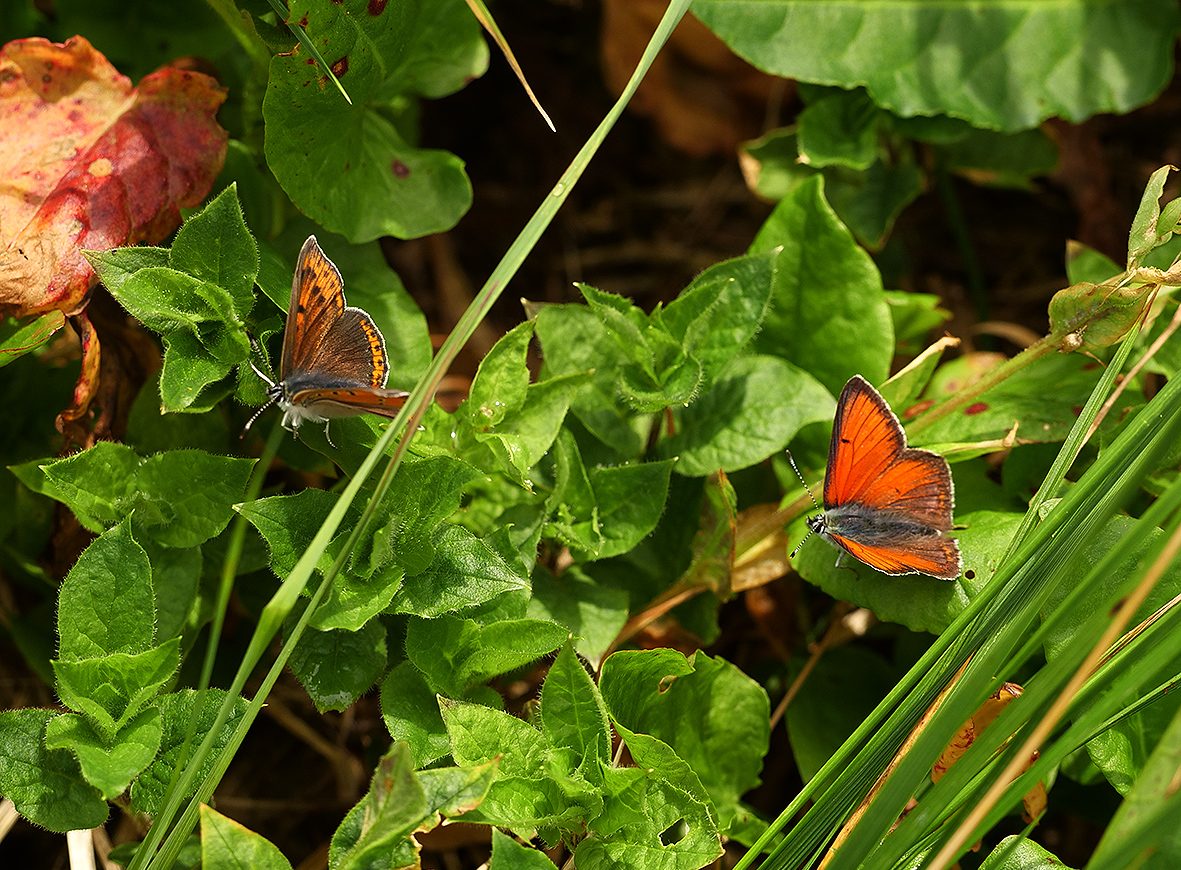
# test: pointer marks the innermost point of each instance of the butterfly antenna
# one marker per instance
(257, 413)
(792, 554)
(271, 383)
(811, 494)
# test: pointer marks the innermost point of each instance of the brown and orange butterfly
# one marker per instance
(886, 504)
(334, 361)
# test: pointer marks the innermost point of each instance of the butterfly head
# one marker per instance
(818, 524)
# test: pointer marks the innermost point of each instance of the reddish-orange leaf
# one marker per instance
(89, 162)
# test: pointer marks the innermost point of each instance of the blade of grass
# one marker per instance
(489, 23)
(405, 424)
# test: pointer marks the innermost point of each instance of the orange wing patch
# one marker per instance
(377, 355)
(918, 485)
(866, 439)
(933, 555)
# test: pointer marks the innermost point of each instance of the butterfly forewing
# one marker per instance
(866, 439)
(918, 485)
(317, 303)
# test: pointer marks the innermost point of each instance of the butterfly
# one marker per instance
(334, 361)
(886, 504)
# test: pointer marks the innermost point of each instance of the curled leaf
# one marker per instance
(90, 162)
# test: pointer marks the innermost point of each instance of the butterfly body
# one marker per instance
(886, 504)
(334, 361)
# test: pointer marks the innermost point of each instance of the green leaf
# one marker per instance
(591, 612)
(46, 785)
(915, 317)
(1144, 830)
(508, 854)
(752, 411)
(376, 832)
(828, 310)
(524, 436)
(718, 314)
(455, 654)
(648, 822)
(629, 500)
(106, 603)
(288, 523)
(110, 690)
(466, 571)
(711, 714)
(181, 498)
(410, 711)
(422, 496)
(1018, 853)
(838, 694)
(229, 845)
(502, 379)
(175, 578)
(478, 733)
(1008, 70)
(348, 167)
(17, 339)
(839, 128)
(575, 342)
(353, 601)
(1145, 233)
(114, 267)
(183, 715)
(1001, 159)
(108, 765)
(572, 713)
(215, 246)
(337, 667)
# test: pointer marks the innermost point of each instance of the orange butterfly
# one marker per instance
(334, 361)
(886, 504)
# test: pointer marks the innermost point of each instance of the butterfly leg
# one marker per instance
(327, 435)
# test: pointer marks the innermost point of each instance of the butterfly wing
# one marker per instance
(343, 401)
(870, 465)
(324, 337)
(934, 555)
(317, 302)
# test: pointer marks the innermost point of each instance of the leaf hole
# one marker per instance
(674, 833)
(665, 683)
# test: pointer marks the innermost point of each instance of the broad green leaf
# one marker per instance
(466, 571)
(839, 128)
(151, 430)
(629, 500)
(1043, 399)
(916, 316)
(410, 711)
(575, 342)
(572, 713)
(524, 436)
(110, 690)
(455, 653)
(711, 714)
(479, 733)
(353, 601)
(337, 667)
(1008, 69)
(718, 314)
(376, 832)
(502, 379)
(108, 765)
(46, 785)
(215, 246)
(1001, 159)
(1097, 315)
(227, 845)
(176, 574)
(828, 311)
(591, 612)
(867, 201)
(422, 496)
(754, 408)
(181, 712)
(453, 791)
(556, 805)
(288, 523)
(116, 266)
(508, 854)
(181, 498)
(1014, 853)
(1146, 822)
(918, 602)
(841, 690)
(651, 753)
(106, 603)
(348, 167)
(648, 822)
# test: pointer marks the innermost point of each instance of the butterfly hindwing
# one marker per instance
(342, 401)
(352, 351)
(317, 303)
(933, 555)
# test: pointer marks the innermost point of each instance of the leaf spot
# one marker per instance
(100, 168)
(401, 170)
(976, 408)
(341, 66)
(376, 7)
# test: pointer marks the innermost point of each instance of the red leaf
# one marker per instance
(89, 162)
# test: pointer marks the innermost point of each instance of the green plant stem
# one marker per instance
(405, 424)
